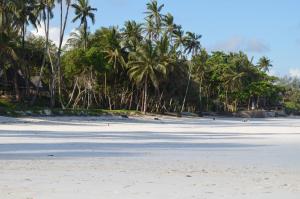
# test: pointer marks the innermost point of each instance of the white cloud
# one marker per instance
(54, 33)
(294, 72)
(235, 44)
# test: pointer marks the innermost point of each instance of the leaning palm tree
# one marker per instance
(144, 66)
(83, 11)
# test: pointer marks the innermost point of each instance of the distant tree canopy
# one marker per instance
(152, 66)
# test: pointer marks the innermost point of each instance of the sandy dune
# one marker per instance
(140, 158)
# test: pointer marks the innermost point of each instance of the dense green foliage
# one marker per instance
(292, 94)
(152, 66)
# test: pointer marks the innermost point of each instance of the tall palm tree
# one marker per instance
(57, 70)
(144, 66)
(109, 40)
(201, 70)
(15, 17)
(264, 64)
(154, 18)
(83, 12)
(44, 9)
(192, 46)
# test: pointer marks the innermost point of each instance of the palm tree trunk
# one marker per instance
(145, 94)
(85, 35)
(186, 92)
(47, 25)
(105, 85)
(26, 75)
(200, 94)
(73, 92)
(131, 98)
(207, 97)
(249, 103)
(16, 86)
(226, 100)
(63, 23)
(52, 89)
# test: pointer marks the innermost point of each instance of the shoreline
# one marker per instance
(84, 157)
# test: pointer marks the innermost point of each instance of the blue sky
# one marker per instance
(258, 27)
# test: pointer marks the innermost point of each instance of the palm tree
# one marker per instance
(192, 43)
(83, 11)
(109, 40)
(7, 47)
(201, 70)
(179, 39)
(264, 64)
(113, 48)
(8, 29)
(192, 46)
(132, 34)
(154, 18)
(76, 39)
(7, 14)
(149, 29)
(144, 66)
(168, 22)
(57, 69)
(44, 9)
(9, 56)
(15, 16)
(9, 32)
(232, 81)
(24, 16)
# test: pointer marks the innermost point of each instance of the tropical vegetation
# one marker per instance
(150, 66)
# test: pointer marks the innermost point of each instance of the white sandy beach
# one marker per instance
(112, 158)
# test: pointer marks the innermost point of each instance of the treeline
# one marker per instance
(291, 95)
(152, 66)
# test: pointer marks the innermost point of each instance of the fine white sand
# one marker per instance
(142, 158)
